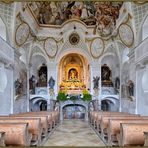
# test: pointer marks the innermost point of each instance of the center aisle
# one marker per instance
(74, 133)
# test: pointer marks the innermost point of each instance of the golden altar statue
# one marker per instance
(73, 81)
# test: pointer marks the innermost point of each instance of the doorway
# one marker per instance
(74, 111)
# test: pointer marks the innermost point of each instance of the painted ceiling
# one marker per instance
(101, 14)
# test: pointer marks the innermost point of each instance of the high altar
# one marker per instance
(72, 76)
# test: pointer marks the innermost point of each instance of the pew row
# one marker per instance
(2, 138)
(16, 134)
(44, 121)
(97, 117)
(53, 117)
(131, 134)
(145, 138)
(34, 127)
(102, 127)
(114, 128)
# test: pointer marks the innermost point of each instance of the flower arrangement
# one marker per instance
(62, 96)
(86, 95)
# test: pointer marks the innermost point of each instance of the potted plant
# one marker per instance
(73, 98)
(62, 96)
(86, 96)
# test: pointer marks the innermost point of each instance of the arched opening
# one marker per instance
(42, 75)
(38, 104)
(74, 73)
(43, 105)
(110, 104)
(106, 76)
(110, 71)
(74, 111)
(38, 75)
(105, 105)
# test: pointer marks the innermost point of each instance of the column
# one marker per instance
(28, 92)
(52, 72)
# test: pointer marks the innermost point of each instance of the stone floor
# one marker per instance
(74, 133)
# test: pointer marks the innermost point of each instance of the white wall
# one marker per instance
(142, 98)
(6, 97)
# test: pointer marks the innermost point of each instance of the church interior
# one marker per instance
(73, 73)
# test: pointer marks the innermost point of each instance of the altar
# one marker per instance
(72, 86)
(73, 76)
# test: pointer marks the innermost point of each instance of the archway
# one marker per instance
(110, 104)
(38, 75)
(74, 111)
(38, 104)
(74, 73)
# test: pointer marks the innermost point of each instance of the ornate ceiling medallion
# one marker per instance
(126, 34)
(22, 33)
(74, 39)
(97, 47)
(51, 47)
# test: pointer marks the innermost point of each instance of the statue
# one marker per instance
(117, 83)
(72, 74)
(32, 84)
(51, 82)
(18, 87)
(131, 88)
(96, 82)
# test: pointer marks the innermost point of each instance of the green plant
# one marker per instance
(86, 96)
(61, 96)
(73, 98)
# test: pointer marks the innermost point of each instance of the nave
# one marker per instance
(74, 132)
(103, 128)
(73, 69)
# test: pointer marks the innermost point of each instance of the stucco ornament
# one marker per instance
(22, 33)
(126, 34)
(50, 47)
(97, 47)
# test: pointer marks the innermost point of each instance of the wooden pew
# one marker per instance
(2, 138)
(50, 115)
(44, 121)
(131, 134)
(97, 120)
(145, 138)
(16, 134)
(105, 121)
(93, 115)
(114, 128)
(34, 127)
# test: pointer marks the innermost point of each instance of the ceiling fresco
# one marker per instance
(101, 14)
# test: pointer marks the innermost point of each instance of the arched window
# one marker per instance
(2, 29)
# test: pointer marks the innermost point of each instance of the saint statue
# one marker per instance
(96, 82)
(72, 74)
(51, 82)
